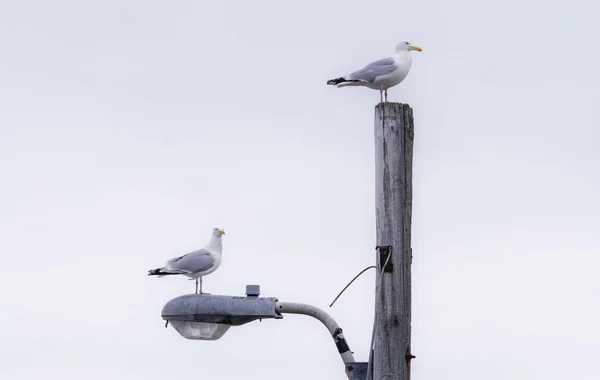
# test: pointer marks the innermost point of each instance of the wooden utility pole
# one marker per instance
(394, 133)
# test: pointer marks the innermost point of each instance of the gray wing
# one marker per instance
(375, 69)
(197, 261)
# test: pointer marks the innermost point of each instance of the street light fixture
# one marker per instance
(208, 317)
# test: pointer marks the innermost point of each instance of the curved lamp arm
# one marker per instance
(324, 318)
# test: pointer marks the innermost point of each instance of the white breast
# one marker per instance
(404, 62)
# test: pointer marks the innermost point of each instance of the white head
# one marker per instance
(218, 232)
(406, 46)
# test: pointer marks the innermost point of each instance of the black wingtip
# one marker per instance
(336, 81)
(161, 272)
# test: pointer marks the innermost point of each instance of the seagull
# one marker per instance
(382, 74)
(197, 263)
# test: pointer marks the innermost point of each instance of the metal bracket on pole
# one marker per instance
(384, 257)
(357, 370)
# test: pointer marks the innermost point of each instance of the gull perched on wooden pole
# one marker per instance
(382, 74)
(197, 263)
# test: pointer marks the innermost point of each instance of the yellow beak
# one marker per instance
(223, 232)
(416, 48)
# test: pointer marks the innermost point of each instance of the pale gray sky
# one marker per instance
(129, 129)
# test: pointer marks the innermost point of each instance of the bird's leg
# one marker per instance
(386, 95)
(201, 292)
(201, 287)
(196, 286)
(381, 95)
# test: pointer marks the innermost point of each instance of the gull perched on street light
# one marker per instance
(197, 263)
(382, 74)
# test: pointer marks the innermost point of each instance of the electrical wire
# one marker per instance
(355, 277)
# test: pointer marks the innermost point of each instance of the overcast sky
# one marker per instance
(129, 129)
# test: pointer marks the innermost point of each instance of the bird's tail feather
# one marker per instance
(351, 83)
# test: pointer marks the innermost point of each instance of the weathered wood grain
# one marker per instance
(394, 133)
